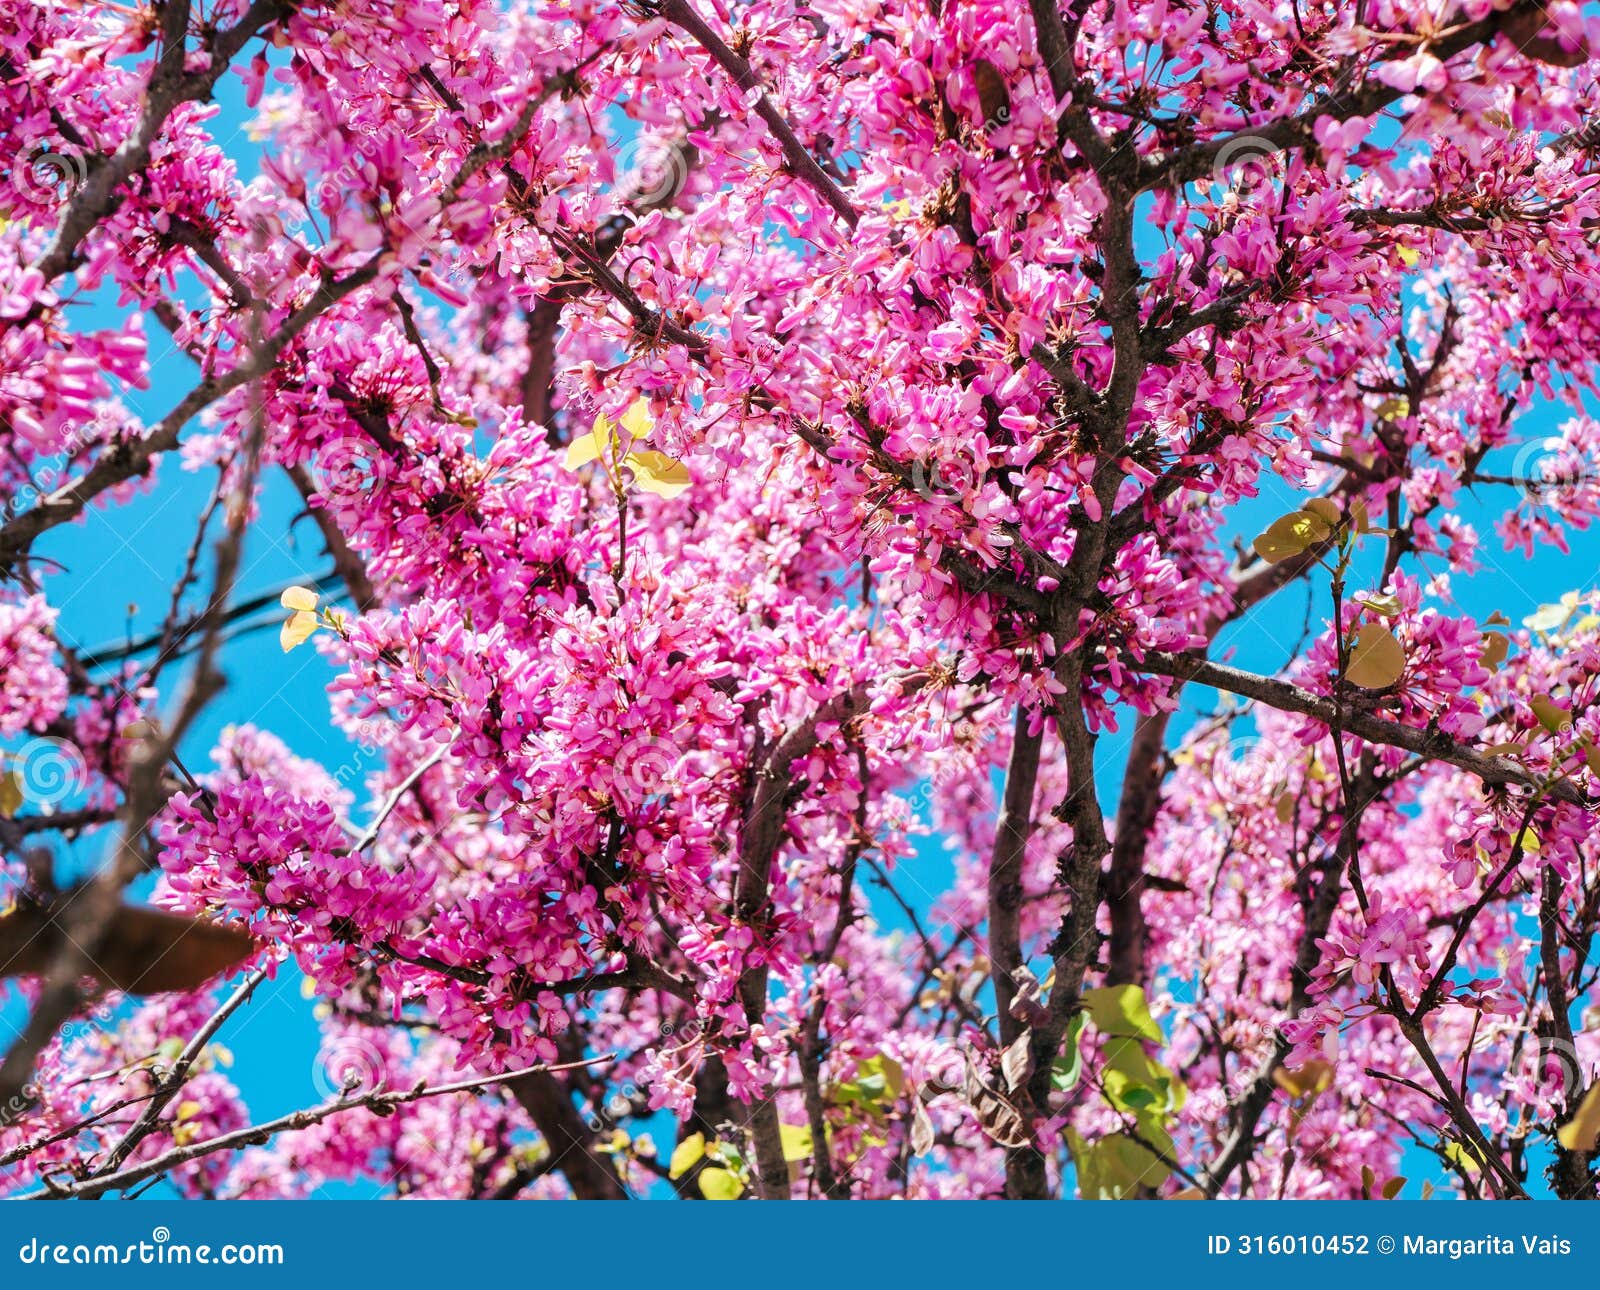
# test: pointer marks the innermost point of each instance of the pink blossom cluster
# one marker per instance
(785, 479)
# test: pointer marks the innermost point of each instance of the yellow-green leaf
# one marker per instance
(11, 795)
(796, 1141)
(299, 599)
(1496, 646)
(1408, 255)
(891, 1071)
(657, 473)
(686, 1155)
(1121, 1011)
(1549, 618)
(1378, 602)
(1582, 1131)
(590, 447)
(1376, 658)
(1117, 1166)
(637, 420)
(1290, 536)
(1312, 1078)
(720, 1184)
(1551, 717)
(1325, 509)
(298, 628)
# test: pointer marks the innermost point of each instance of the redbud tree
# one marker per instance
(756, 448)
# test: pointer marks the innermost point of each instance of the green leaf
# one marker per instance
(686, 1155)
(1116, 1166)
(885, 1072)
(1376, 658)
(1132, 1097)
(1134, 1081)
(1067, 1069)
(1121, 1011)
(878, 1084)
(720, 1184)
